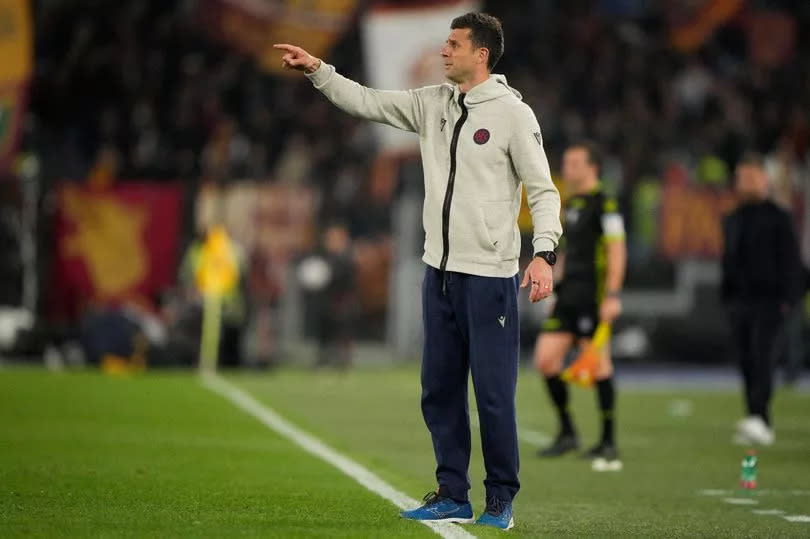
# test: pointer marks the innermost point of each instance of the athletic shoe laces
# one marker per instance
(431, 497)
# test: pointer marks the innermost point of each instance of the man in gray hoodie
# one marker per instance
(479, 143)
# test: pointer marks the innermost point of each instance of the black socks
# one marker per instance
(558, 391)
(606, 395)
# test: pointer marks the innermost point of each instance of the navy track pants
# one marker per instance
(471, 325)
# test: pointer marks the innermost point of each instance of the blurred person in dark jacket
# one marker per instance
(786, 173)
(761, 285)
(328, 276)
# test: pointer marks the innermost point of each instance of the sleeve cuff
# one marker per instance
(543, 244)
(321, 76)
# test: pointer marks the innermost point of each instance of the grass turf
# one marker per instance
(158, 455)
(669, 459)
(84, 455)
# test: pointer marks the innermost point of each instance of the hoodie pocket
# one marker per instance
(500, 228)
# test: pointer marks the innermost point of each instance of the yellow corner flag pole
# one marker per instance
(211, 329)
(217, 275)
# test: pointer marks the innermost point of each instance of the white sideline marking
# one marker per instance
(680, 408)
(313, 445)
(740, 501)
(797, 518)
(540, 438)
(714, 492)
(767, 511)
(531, 437)
(534, 437)
(758, 492)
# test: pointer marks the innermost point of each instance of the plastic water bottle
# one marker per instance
(748, 471)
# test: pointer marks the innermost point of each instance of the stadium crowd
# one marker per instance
(137, 90)
(140, 91)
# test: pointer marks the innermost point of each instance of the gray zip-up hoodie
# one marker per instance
(476, 149)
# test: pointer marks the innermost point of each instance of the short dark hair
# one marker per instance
(593, 151)
(753, 159)
(485, 31)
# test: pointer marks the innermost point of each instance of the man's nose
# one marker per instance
(445, 51)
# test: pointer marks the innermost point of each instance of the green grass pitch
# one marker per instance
(159, 455)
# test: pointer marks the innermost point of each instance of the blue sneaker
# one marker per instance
(438, 508)
(498, 514)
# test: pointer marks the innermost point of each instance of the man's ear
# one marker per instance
(483, 55)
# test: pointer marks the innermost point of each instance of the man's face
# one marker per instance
(752, 183)
(460, 56)
(576, 168)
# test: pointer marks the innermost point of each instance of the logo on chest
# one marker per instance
(481, 136)
(572, 216)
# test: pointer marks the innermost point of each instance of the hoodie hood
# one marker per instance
(492, 88)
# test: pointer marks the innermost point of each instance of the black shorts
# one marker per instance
(576, 311)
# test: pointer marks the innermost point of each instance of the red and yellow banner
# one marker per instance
(16, 59)
(691, 222)
(112, 246)
(253, 27)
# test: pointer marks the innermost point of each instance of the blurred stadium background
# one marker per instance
(129, 129)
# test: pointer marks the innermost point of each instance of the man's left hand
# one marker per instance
(538, 276)
(610, 309)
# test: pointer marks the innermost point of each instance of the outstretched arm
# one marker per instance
(401, 109)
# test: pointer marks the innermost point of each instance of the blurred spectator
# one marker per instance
(327, 276)
(761, 286)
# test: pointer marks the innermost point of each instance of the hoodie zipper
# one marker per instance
(448, 195)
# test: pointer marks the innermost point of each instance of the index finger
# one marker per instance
(285, 46)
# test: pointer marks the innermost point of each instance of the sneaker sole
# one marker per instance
(508, 526)
(452, 520)
(744, 438)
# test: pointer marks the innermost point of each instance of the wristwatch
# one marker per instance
(549, 256)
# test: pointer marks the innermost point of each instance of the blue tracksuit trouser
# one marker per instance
(471, 325)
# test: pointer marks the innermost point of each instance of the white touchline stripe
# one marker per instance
(740, 501)
(797, 518)
(532, 437)
(313, 445)
(759, 492)
(714, 492)
(540, 438)
(767, 511)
